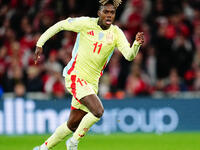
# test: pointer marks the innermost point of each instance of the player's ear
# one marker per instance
(99, 13)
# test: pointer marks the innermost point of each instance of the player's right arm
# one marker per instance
(70, 24)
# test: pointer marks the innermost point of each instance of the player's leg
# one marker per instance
(63, 130)
(67, 128)
(94, 105)
(60, 133)
(75, 118)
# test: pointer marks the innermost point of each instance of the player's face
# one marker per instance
(106, 15)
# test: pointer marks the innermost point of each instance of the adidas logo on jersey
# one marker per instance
(91, 33)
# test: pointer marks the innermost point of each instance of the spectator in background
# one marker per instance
(109, 84)
(175, 84)
(188, 10)
(147, 32)
(139, 60)
(52, 64)
(20, 90)
(150, 64)
(156, 16)
(196, 83)
(68, 41)
(63, 57)
(54, 83)
(58, 89)
(182, 54)
(15, 52)
(159, 85)
(3, 29)
(104, 86)
(13, 75)
(189, 77)
(34, 82)
(64, 54)
(132, 18)
(3, 62)
(27, 41)
(196, 36)
(47, 18)
(158, 9)
(72, 7)
(196, 59)
(196, 21)
(9, 39)
(136, 85)
(177, 26)
(163, 50)
(114, 69)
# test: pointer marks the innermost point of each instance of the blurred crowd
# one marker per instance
(169, 60)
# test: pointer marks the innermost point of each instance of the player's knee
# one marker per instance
(72, 127)
(99, 113)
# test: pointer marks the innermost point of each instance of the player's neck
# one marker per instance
(102, 26)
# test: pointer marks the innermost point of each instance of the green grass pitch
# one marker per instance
(119, 141)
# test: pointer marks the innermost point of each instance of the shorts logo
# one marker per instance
(81, 81)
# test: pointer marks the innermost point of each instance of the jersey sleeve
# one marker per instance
(70, 24)
(124, 46)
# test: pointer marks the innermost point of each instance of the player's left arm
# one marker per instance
(124, 46)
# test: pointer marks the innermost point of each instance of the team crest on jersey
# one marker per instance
(109, 38)
(101, 35)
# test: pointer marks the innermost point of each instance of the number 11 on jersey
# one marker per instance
(95, 47)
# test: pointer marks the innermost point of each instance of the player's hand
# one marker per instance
(38, 52)
(140, 37)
